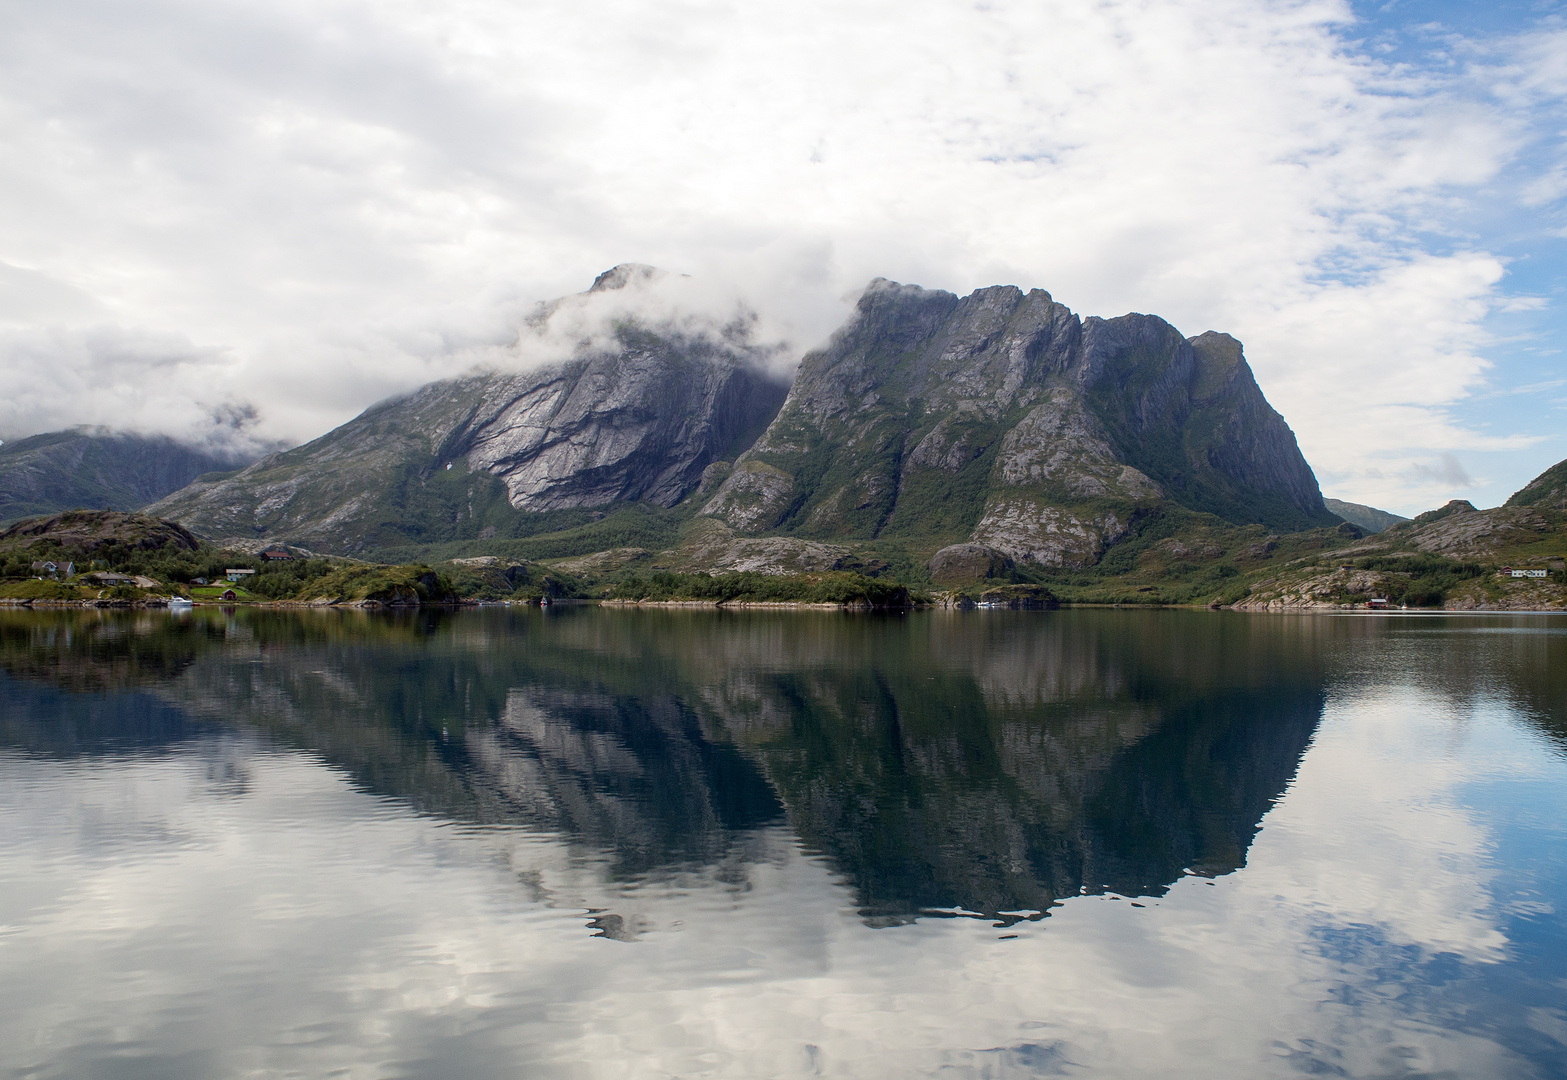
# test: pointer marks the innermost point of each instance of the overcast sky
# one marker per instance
(209, 209)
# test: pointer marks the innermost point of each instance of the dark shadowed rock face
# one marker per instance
(97, 469)
(641, 425)
(1003, 416)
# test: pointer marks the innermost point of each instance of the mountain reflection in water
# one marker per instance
(942, 763)
(322, 843)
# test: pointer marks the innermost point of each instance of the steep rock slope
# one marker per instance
(1004, 418)
(637, 419)
(98, 469)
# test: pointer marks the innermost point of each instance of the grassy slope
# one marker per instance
(575, 532)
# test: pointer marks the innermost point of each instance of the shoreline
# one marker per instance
(752, 605)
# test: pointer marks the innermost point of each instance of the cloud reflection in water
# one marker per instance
(625, 844)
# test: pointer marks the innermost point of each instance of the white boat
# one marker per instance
(179, 602)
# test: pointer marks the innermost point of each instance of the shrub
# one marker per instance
(749, 586)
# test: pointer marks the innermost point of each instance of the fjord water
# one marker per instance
(583, 842)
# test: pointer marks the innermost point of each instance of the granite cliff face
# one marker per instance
(637, 419)
(97, 469)
(1004, 419)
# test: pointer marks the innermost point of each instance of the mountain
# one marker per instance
(1003, 419)
(1368, 518)
(634, 416)
(999, 420)
(97, 468)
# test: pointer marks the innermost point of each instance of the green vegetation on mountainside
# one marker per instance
(1368, 518)
(635, 525)
(1418, 580)
(14, 588)
(1548, 490)
(828, 588)
(414, 584)
(515, 582)
(1176, 556)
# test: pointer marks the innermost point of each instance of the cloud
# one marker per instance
(676, 305)
(338, 200)
(1448, 471)
(130, 380)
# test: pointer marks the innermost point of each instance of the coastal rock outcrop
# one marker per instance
(961, 563)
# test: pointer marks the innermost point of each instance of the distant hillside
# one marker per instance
(1368, 518)
(94, 468)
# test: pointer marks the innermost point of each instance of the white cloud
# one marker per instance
(337, 200)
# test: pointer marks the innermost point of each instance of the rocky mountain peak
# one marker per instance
(1453, 506)
(623, 274)
(1004, 416)
(999, 420)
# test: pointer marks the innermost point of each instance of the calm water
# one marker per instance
(588, 843)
